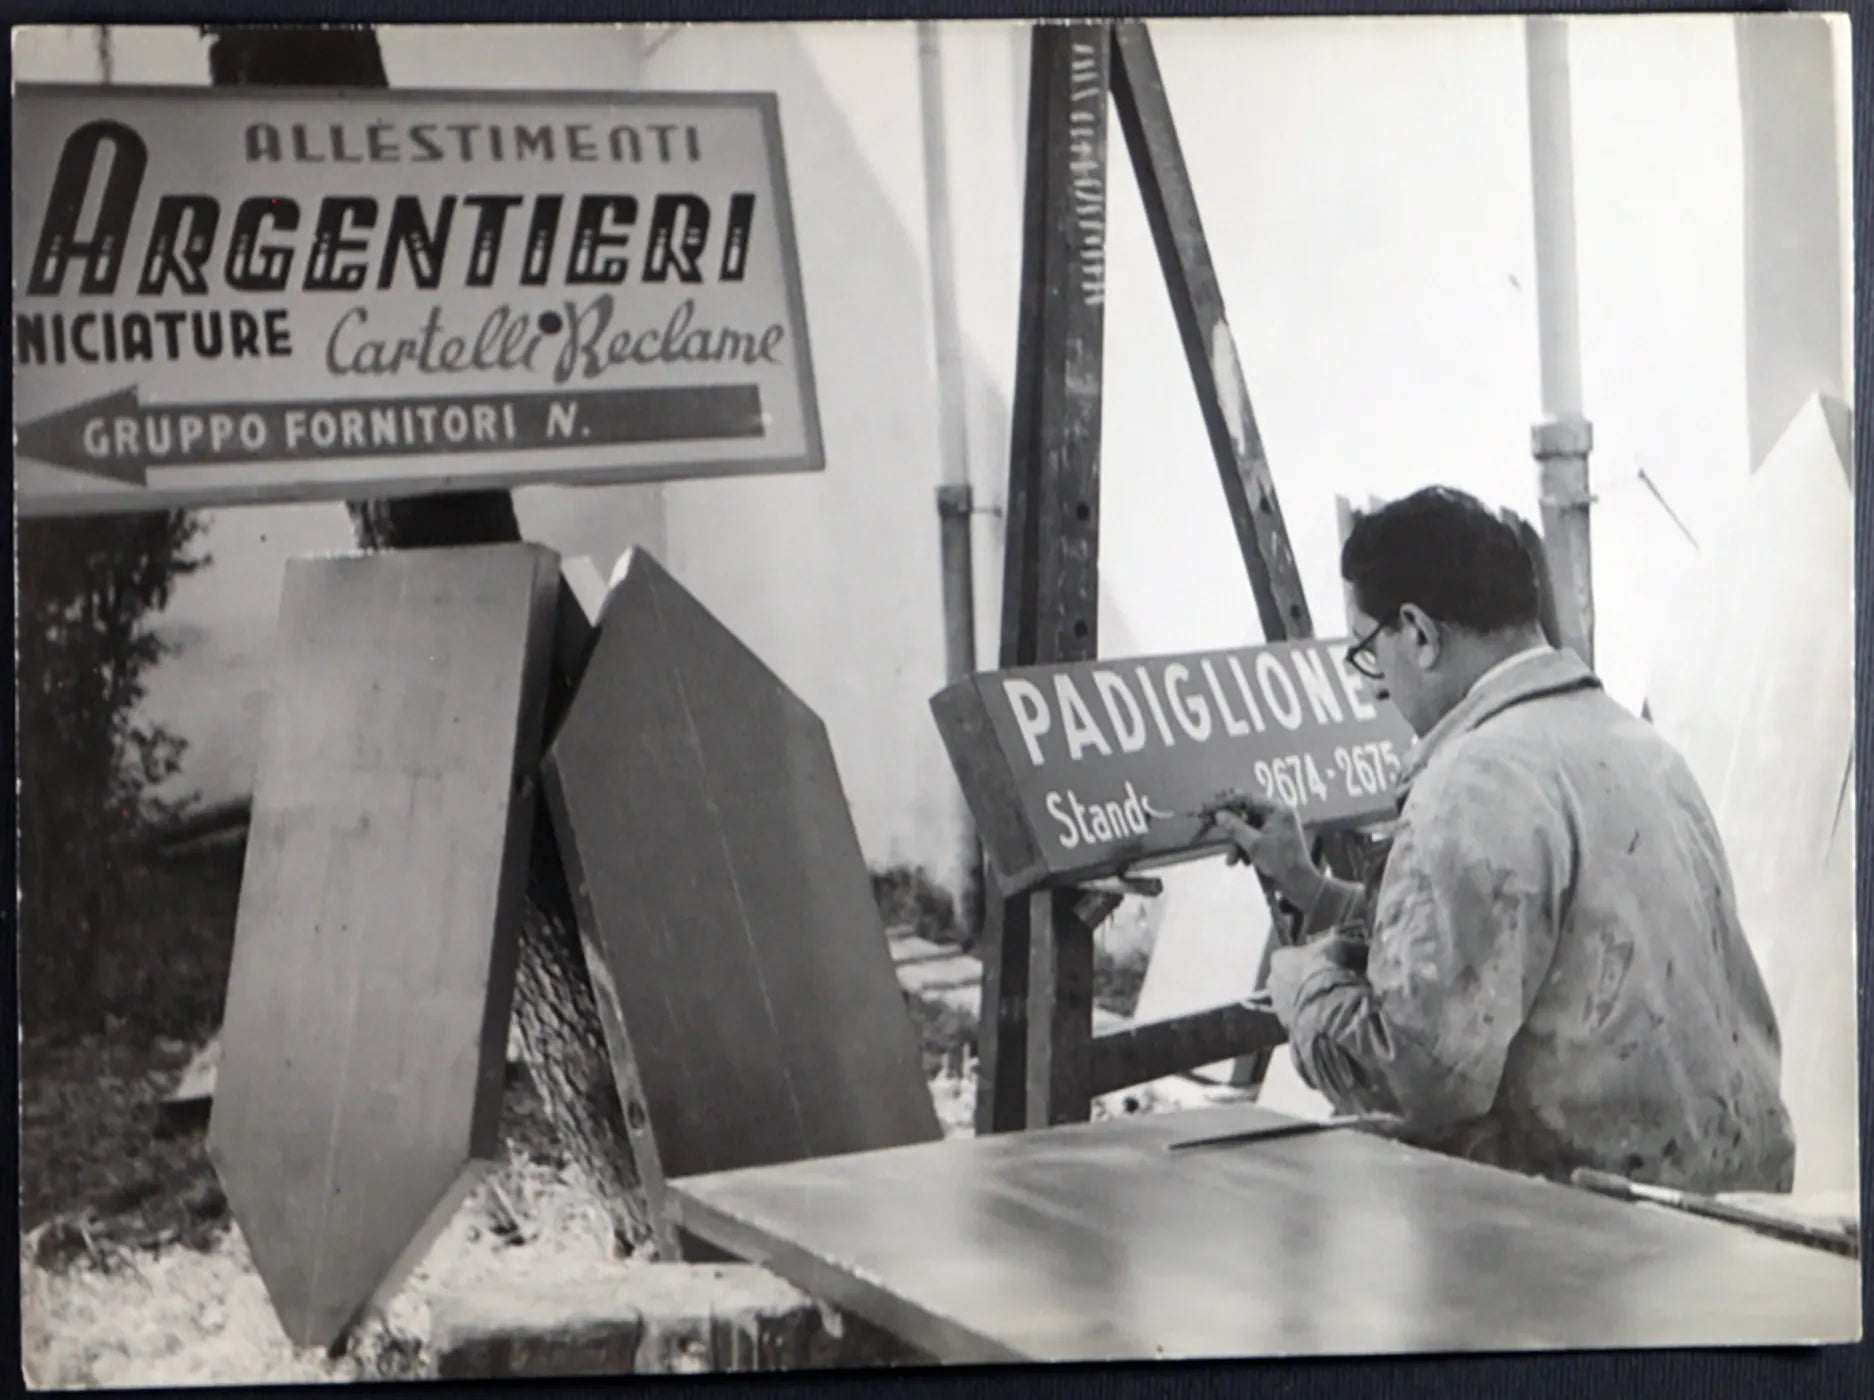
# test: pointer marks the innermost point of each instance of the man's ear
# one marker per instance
(1427, 636)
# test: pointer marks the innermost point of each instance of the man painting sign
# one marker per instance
(1553, 974)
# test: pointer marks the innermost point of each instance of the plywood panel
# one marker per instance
(1754, 685)
(363, 1043)
(1094, 1242)
(743, 970)
(1212, 920)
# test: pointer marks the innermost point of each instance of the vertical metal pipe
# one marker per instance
(954, 497)
(1552, 168)
(1563, 441)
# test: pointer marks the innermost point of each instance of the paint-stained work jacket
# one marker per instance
(1555, 975)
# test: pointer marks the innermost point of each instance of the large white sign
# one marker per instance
(222, 295)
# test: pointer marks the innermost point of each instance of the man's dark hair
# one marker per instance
(1448, 553)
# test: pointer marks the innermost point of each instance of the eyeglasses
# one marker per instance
(1360, 655)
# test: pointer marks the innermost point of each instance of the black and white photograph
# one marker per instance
(855, 696)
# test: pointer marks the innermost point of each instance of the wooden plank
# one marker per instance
(1060, 1013)
(744, 980)
(1171, 210)
(1002, 1038)
(1209, 347)
(1050, 578)
(1094, 1243)
(1082, 770)
(1141, 1053)
(1066, 449)
(366, 1023)
(1002, 1032)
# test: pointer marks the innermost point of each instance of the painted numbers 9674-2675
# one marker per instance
(1352, 770)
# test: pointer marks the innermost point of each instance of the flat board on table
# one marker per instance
(1094, 1242)
(363, 1043)
(741, 966)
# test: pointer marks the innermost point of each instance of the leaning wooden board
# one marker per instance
(1090, 768)
(742, 971)
(1093, 1242)
(363, 1043)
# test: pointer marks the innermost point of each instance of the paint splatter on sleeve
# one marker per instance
(1462, 938)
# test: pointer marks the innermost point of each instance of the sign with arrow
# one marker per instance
(223, 297)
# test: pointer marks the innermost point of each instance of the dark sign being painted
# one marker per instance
(222, 296)
(1080, 770)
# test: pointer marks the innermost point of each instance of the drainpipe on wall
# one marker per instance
(955, 502)
(1562, 441)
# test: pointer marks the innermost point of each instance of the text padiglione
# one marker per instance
(1074, 771)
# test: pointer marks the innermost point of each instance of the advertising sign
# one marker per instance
(223, 295)
(1087, 769)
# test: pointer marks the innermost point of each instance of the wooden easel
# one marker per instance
(1040, 1062)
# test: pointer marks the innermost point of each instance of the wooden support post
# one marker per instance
(1140, 1054)
(1209, 347)
(1037, 1028)
(1002, 1036)
(1060, 977)
(1222, 392)
(1060, 1012)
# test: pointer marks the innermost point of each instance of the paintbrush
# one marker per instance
(1243, 808)
(1837, 1240)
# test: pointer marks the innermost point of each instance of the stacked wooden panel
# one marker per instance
(743, 974)
(366, 1023)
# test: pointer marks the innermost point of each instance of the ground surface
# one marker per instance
(132, 1272)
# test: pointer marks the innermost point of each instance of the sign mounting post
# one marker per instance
(1038, 1053)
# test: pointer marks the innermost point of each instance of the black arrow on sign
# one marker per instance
(538, 421)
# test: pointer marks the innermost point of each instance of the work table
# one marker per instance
(1095, 1242)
